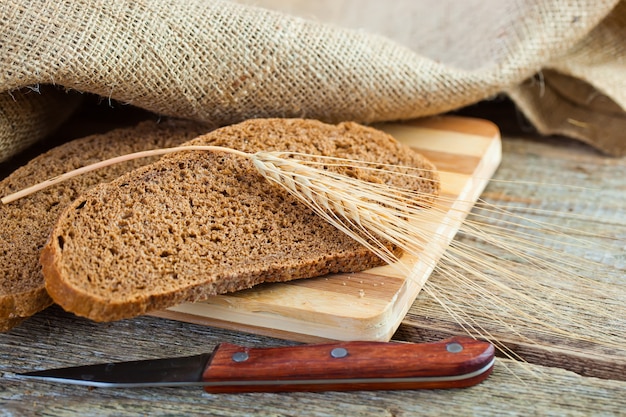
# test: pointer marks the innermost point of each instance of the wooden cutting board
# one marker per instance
(368, 305)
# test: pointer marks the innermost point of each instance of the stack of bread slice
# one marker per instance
(190, 225)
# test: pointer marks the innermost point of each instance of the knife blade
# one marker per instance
(452, 363)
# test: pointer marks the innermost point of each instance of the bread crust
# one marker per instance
(83, 303)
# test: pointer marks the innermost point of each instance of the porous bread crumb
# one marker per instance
(26, 223)
(196, 224)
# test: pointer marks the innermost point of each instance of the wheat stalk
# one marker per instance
(467, 278)
(397, 215)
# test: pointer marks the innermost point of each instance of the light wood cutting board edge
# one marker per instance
(368, 305)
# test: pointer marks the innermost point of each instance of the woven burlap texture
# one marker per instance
(223, 62)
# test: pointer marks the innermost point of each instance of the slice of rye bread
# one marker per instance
(196, 224)
(26, 223)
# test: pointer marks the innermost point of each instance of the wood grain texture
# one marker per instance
(368, 305)
(362, 366)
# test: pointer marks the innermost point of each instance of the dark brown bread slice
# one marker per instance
(26, 224)
(195, 224)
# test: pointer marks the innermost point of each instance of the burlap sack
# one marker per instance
(222, 62)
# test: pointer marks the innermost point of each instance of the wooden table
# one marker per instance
(54, 338)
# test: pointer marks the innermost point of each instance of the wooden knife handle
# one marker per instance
(452, 363)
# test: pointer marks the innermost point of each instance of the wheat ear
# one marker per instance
(468, 283)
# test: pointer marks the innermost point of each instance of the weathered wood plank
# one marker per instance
(54, 338)
(537, 171)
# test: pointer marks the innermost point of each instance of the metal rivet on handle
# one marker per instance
(339, 352)
(240, 356)
(454, 347)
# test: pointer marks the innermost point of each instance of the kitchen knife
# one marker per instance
(452, 363)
